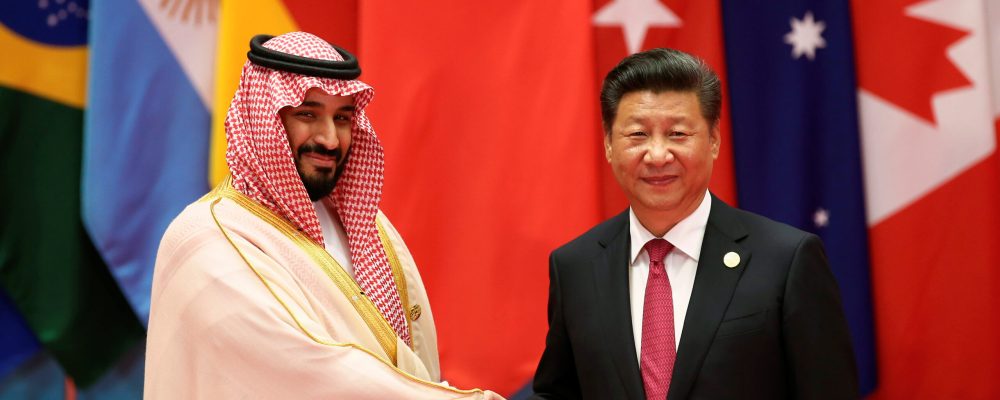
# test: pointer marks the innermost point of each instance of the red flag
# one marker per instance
(487, 114)
(933, 186)
(337, 23)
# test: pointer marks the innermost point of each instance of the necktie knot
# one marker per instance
(658, 249)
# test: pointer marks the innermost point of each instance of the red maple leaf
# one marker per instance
(901, 58)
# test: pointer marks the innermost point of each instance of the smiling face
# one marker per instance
(319, 133)
(661, 150)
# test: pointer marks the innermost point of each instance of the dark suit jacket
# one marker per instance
(770, 328)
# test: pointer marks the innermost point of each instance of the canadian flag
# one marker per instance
(928, 108)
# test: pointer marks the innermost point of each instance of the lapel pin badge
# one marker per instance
(731, 259)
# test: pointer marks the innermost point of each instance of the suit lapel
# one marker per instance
(611, 281)
(714, 284)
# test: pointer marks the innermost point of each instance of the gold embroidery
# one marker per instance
(415, 312)
(383, 332)
(398, 276)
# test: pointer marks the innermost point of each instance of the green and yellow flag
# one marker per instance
(48, 266)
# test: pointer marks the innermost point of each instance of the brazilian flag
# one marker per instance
(49, 269)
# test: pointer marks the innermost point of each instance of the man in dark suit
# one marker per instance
(682, 296)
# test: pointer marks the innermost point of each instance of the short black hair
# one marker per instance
(660, 70)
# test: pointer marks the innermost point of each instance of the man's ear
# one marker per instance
(607, 146)
(715, 139)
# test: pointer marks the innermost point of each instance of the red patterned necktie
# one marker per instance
(656, 361)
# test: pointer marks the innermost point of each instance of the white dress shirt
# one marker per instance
(681, 264)
(334, 237)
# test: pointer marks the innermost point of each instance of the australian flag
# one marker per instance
(796, 137)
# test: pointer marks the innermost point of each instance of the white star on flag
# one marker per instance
(806, 36)
(821, 218)
(635, 17)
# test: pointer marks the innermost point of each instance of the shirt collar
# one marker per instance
(686, 236)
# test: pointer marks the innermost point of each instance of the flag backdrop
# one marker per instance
(492, 156)
(869, 123)
(48, 267)
(928, 110)
(795, 130)
(146, 143)
(17, 342)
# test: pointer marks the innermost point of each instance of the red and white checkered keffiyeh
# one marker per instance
(262, 166)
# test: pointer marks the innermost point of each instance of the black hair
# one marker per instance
(660, 70)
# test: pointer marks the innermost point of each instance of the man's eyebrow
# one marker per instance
(316, 104)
